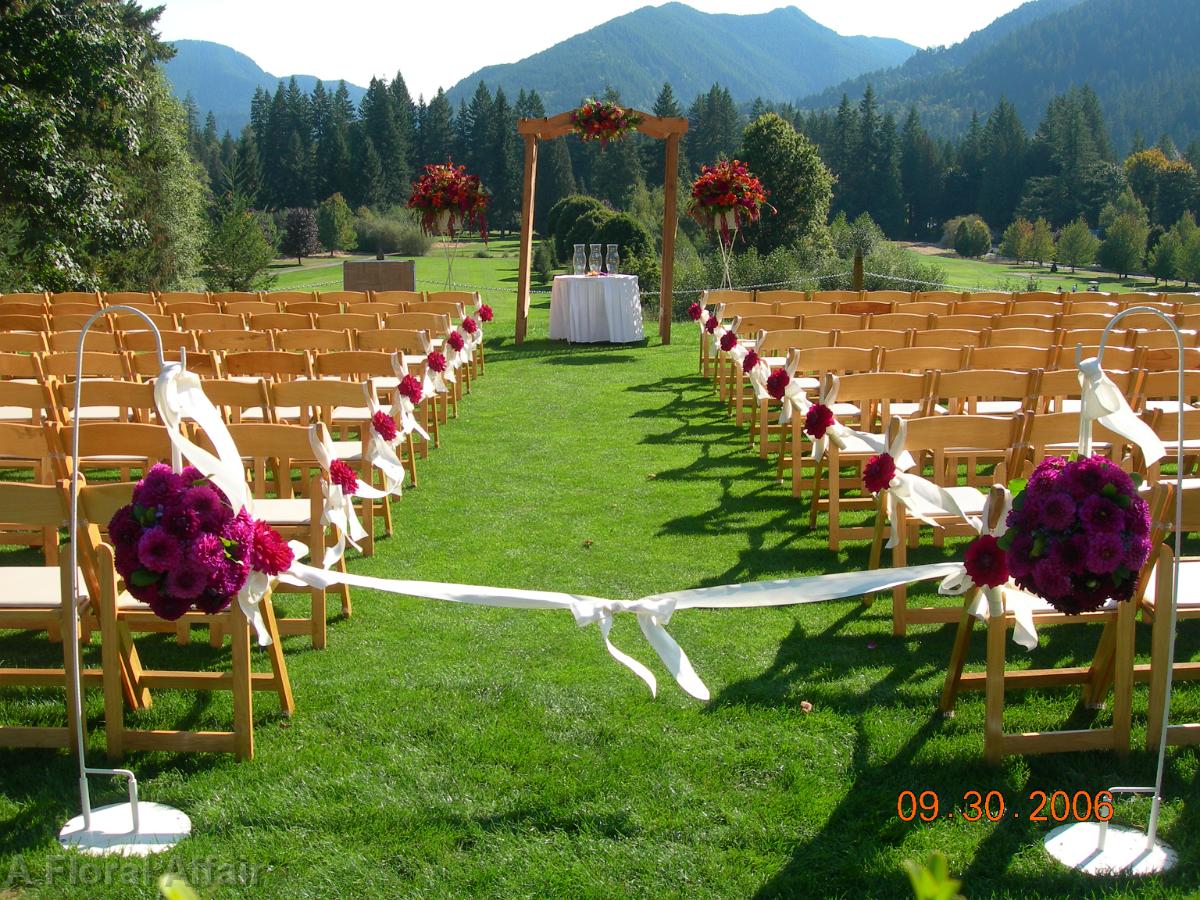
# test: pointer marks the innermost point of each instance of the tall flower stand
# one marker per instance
(726, 224)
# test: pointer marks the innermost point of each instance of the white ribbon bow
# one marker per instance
(794, 396)
(380, 453)
(437, 379)
(404, 411)
(837, 433)
(338, 508)
(1101, 401)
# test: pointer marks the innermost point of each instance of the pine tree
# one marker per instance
(887, 193)
(372, 182)
(1003, 173)
(406, 118)
(482, 134)
(555, 180)
(842, 152)
(378, 115)
(920, 175)
(503, 178)
(437, 130)
(655, 155)
(236, 252)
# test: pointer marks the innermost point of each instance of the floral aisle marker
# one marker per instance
(450, 201)
(603, 121)
(726, 196)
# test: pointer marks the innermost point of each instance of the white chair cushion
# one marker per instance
(33, 587)
(283, 511)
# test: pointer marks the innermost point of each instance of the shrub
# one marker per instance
(543, 261)
(384, 234)
(626, 231)
(972, 238)
(586, 229)
(562, 218)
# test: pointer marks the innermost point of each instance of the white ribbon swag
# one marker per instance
(179, 396)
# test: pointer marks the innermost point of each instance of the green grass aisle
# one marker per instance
(448, 751)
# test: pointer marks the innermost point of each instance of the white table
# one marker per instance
(585, 309)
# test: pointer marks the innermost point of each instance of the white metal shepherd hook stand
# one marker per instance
(1098, 848)
(126, 829)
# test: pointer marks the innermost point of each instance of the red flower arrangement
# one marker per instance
(178, 544)
(449, 200)
(469, 325)
(749, 361)
(343, 476)
(817, 420)
(1078, 534)
(986, 562)
(695, 311)
(436, 360)
(455, 340)
(384, 425)
(725, 196)
(711, 323)
(879, 472)
(485, 313)
(777, 383)
(603, 121)
(410, 387)
(728, 341)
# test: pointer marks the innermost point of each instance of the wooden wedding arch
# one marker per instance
(533, 130)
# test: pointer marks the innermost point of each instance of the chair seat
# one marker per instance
(1188, 595)
(351, 414)
(346, 451)
(904, 409)
(970, 500)
(997, 407)
(1169, 406)
(33, 587)
(845, 410)
(284, 511)
(22, 414)
(856, 446)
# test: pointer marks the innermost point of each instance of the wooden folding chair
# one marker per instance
(376, 365)
(24, 451)
(278, 365)
(23, 342)
(811, 366)
(240, 399)
(235, 341)
(1166, 424)
(922, 359)
(342, 407)
(872, 338)
(343, 298)
(120, 613)
(866, 402)
(901, 321)
(292, 505)
(314, 340)
(1159, 390)
(942, 444)
(106, 401)
(987, 392)
(1113, 660)
(712, 300)
(746, 326)
(279, 321)
(772, 347)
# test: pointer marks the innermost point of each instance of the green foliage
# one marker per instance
(972, 238)
(860, 236)
(1041, 242)
(562, 218)
(335, 225)
(1166, 257)
(1077, 246)
(1124, 244)
(377, 233)
(931, 880)
(1014, 243)
(628, 232)
(236, 255)
(300, 233)
(543, 261)
(586, 229)
(76, 83)
(799, 185)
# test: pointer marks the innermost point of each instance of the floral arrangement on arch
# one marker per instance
(180, 545)
(603, 121)
(726, 196)
(450, 200)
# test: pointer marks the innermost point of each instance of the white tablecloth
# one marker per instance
(586, 309)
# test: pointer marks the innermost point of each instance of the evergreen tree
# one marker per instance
(236, 252)
(482, 135)
(1077, 246)
(503, 178)
(842, 152)
(1003, 164)
(617, 173)
(555, 180)
(296, 172)
(406, 119)
(654, 156)
(886, 202)
(800, 185)
(335, 225)
(379, 121)
(372, 182)
(463, 126)
(920, 175)
(300, 234)
(437, 130)
(972, 238)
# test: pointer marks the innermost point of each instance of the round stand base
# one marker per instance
(1125, 851)
(162, 827)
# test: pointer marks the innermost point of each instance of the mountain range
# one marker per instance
(779, 55)
(223, 81)
(1139, 56)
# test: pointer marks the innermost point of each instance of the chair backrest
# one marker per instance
(137, 444)
(237, 397)
(777, 343)
(1019, 337)
(871, 337)
(1151, 322)
(321, 400)
(90, 297)
(836, 296)
(278, 364)
(277, 321)
(1053, 308)
(1164, 386)
(343, 297)
(834, 322)
(938, 296)
(776, 297)
(170, 298)
(964, 390)
(39, 297)
(392, 340)
(41, 505)
(95, 364)
(126, 297)
(23, 342)
(839, 360)
(23, 323)
(1057, 434)
(748, 326)
(901, 321)
(717, 297)
(1021, 297)
(951, 442)
(145, 364)
(349, 321)
(435, 323)
(131, 322)
(799, 308)
(379, 310)
(864, 307)
(246, 308)
(1026, 320)
(318, 340)
(402, 297)
(235, 340)
(895, 297)
(272, 451)
(927, 308)
(288, 296)
(1164, 359)
(354, 364)
(986, 308)
(992, 296)
(76, 321)
(22, 442)
(464, 298)
(945, 337)
(68, 341)
(1107, 308)
(966, 321)
(223, 297)
(129, 401)
(742, 308)
(21, 365)
(1017, 358)
(23, 309)
(875, 392)
(1074, 321)
(921, 359)
(190, 308)
(311, 307)
(144, 342)
(212, 321)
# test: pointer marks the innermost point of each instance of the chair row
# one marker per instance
(955, 301)
(172, 301)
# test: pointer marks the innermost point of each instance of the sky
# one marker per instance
(358, 39)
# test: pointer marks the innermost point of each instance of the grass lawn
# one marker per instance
(1004, 275)
(439, 750)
